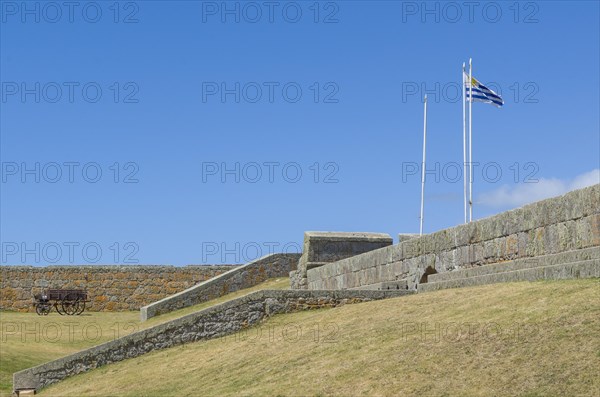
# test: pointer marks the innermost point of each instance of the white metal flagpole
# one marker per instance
(423, 163)
(464, 92)
(470, 140)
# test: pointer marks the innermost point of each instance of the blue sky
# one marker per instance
(207, 132)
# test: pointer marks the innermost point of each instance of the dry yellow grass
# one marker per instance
(27, 339)
(526, 339)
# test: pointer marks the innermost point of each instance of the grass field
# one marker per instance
(27, 339)
(526, 339)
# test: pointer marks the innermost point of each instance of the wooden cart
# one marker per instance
(65, 301)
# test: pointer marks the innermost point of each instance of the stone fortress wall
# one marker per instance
(110, 288)
(568, 224)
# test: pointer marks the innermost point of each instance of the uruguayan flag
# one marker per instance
(481, 93)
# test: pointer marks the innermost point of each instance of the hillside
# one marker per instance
(28, 339)
(531, 339)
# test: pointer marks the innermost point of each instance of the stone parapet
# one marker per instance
(559, 224)
(321, 248)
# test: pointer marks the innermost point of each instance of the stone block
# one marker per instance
(334, 246)
(407, 236)
(591, 200)
(461, 235)
(535, 242)
(412, 248)
(576, 204)
(377, 257)
(594, 221)
(511, 246)
(489, 228)
(333, 252)
(551, 245)
(583, 233)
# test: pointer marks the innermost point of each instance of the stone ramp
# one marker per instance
(384, 286)
(520, 271)
(213, 322)
(518, 264)
(581, 263)
(241, 277)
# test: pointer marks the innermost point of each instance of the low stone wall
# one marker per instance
(321, 248)
(110, 288)
(550, 226)
(213, 322)
(245, 276)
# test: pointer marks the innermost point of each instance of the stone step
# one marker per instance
(518, 264)
(580, 269)
(384, 286)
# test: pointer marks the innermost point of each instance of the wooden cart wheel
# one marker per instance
(81, 307)
(42, 309)
(58, 310)
(70, 304)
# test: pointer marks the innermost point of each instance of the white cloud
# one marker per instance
(525, 193)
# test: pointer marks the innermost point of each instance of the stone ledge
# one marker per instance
(572, 270)
(346, 236)
(519, 264)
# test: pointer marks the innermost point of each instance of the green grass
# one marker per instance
(27, 340)
(524, 339)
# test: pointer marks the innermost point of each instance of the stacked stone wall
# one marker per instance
(110, 288)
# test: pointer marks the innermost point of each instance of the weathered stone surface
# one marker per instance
(248, 275)
(406, 236)
(110, 288)
(528, 271)
(550, 226)
(519, 264)
(321, 248)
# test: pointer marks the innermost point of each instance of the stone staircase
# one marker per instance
(581, 263)
(384, 286)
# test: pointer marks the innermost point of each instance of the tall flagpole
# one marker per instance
(464, 92)
(423, 163)
(470, 140)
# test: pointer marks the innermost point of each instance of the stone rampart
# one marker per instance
(559, 224)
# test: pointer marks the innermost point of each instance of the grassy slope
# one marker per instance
(526, 339)
(38, 339)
